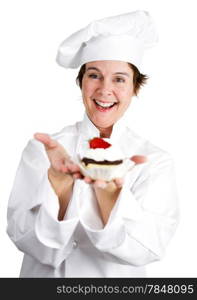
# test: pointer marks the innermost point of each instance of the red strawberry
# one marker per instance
(98, 143)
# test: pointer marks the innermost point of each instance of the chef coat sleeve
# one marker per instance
(144, 217)
(33, 209)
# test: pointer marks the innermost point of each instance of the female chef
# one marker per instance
(68, 225)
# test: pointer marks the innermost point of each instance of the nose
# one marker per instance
(105, 88)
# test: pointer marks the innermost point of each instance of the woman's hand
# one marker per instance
(108, 192)
(61, 163)
(62, 170)
(118, 182)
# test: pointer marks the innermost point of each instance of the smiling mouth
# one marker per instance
(104, 105)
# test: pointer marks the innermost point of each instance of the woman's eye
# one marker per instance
(120, 79)
(94, 76)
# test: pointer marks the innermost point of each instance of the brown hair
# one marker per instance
(138, 78)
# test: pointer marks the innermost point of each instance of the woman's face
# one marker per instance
(107, 88)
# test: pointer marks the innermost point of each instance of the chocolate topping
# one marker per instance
(103, 162)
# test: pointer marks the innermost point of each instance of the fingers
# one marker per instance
(116, 183)
(64, 170)
(77, 176)
(88, 179)
(72, 167)
(60, 160)
(68, 168)
(119, 182)
(45, 139)
(139, 159)
(100, 184)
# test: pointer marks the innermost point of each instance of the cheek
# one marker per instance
(125, 94)
(125, 103)
(87, 89)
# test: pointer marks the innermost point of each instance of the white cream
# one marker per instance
(99, 154)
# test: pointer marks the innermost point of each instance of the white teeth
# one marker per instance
(104, 104)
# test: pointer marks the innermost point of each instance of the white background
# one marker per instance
(38, 95)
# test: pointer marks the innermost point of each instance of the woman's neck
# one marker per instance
(105, 132)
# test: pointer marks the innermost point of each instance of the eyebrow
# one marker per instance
(116, 73)
(122, 73)
(93, 68)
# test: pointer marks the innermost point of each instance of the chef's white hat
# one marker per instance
(123, 37)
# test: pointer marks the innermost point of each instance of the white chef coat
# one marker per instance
(140, 226)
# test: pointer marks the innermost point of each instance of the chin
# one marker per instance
(103, 124)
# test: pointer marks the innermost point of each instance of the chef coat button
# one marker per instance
(75, 244)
